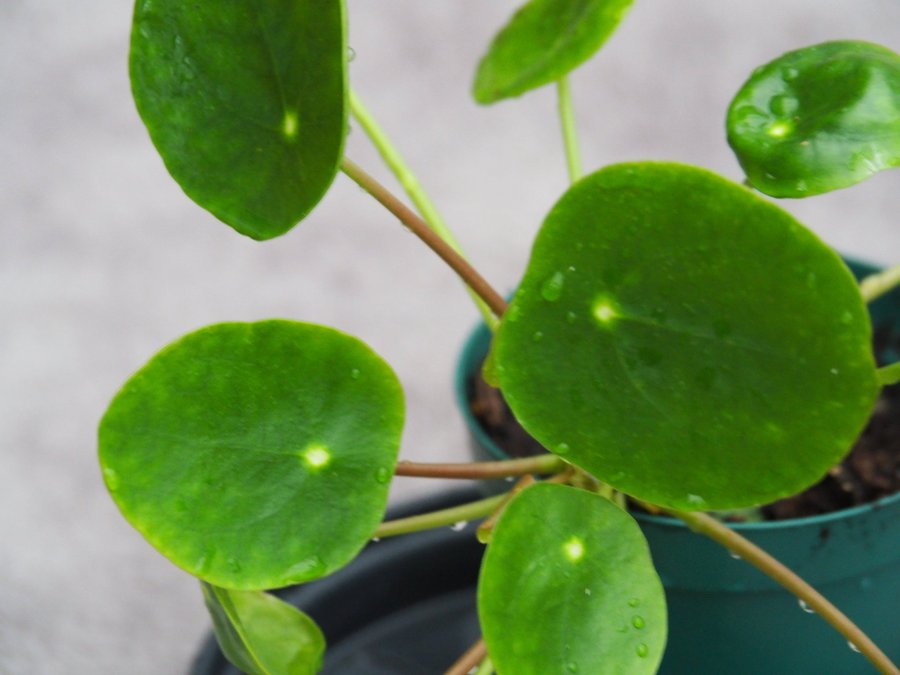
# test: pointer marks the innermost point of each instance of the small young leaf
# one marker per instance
(686, 341)
(545, 40)
(263, 635)
(255, 455)
(246, 103)
(567, 586)
(818, 119)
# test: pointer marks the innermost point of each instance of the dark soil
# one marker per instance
(870, 471)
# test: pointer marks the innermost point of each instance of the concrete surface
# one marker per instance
(103, 260)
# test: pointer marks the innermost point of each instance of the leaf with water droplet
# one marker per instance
(553, 287)
(545, 40)
(248, 109)
(263, 635)
(550, 545)
(234, 445)
(669, 340)
(818, 119)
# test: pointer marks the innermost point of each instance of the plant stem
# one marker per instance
(567, 119)
(542, 464)
(889, 374)
(710, 527)
(427, 521)
(471, 658)
(412, 187)
(420, 228)
(486, 530)
(876, 285)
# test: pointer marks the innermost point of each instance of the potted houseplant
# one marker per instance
(655, 345)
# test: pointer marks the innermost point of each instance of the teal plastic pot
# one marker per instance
(727, 618)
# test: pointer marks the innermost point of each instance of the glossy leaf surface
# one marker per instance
(818, 119)
(255, 455)
(545, 40)
(567, 586)
(686, 341)
(245, 101)
(263, 635)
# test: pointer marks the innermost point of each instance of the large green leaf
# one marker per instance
(263, 635)
(255, 455)
(686, 341)
(567, 586)
(544, 41)
(245, 101)
(818, 119)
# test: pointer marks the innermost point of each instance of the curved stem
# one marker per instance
(710, 527)
(471, 658)
(876, 285)
(412, 187)
(427, 521)
(567, 120)
(541, 464)
(420, 228)
(889, 374)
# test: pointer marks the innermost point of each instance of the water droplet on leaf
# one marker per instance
(459, 526)
(783, 105)
(642, 650)
(805, 607)
(637, 621)
(383, 475)
(552, 288)
(112, 479)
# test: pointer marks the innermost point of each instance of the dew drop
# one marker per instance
(375, 540)
(234, 565)
(572, 667)
(561, 448)
(351, 54)
(642, 650)
(310, 568)
(552, 288)
(537, 336)
(696, 500)
(571, 317)
(112, 479)
(783, 105)
(637, 621)
(634, 602)
(853, 647)
(202, 563)
(459, 526)
(734, 555)
(354, 373)
(805, 607)
(790, 74)
(587, 591)
(383, 475)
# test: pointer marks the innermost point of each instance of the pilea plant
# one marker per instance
(675, 338)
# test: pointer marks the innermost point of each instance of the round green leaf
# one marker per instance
(255, 455)
(545, 40)
(686, 341)
(818, 119)
(567, 586)
(246, 103)
(263, 635)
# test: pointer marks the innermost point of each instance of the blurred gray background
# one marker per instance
(103, 260)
